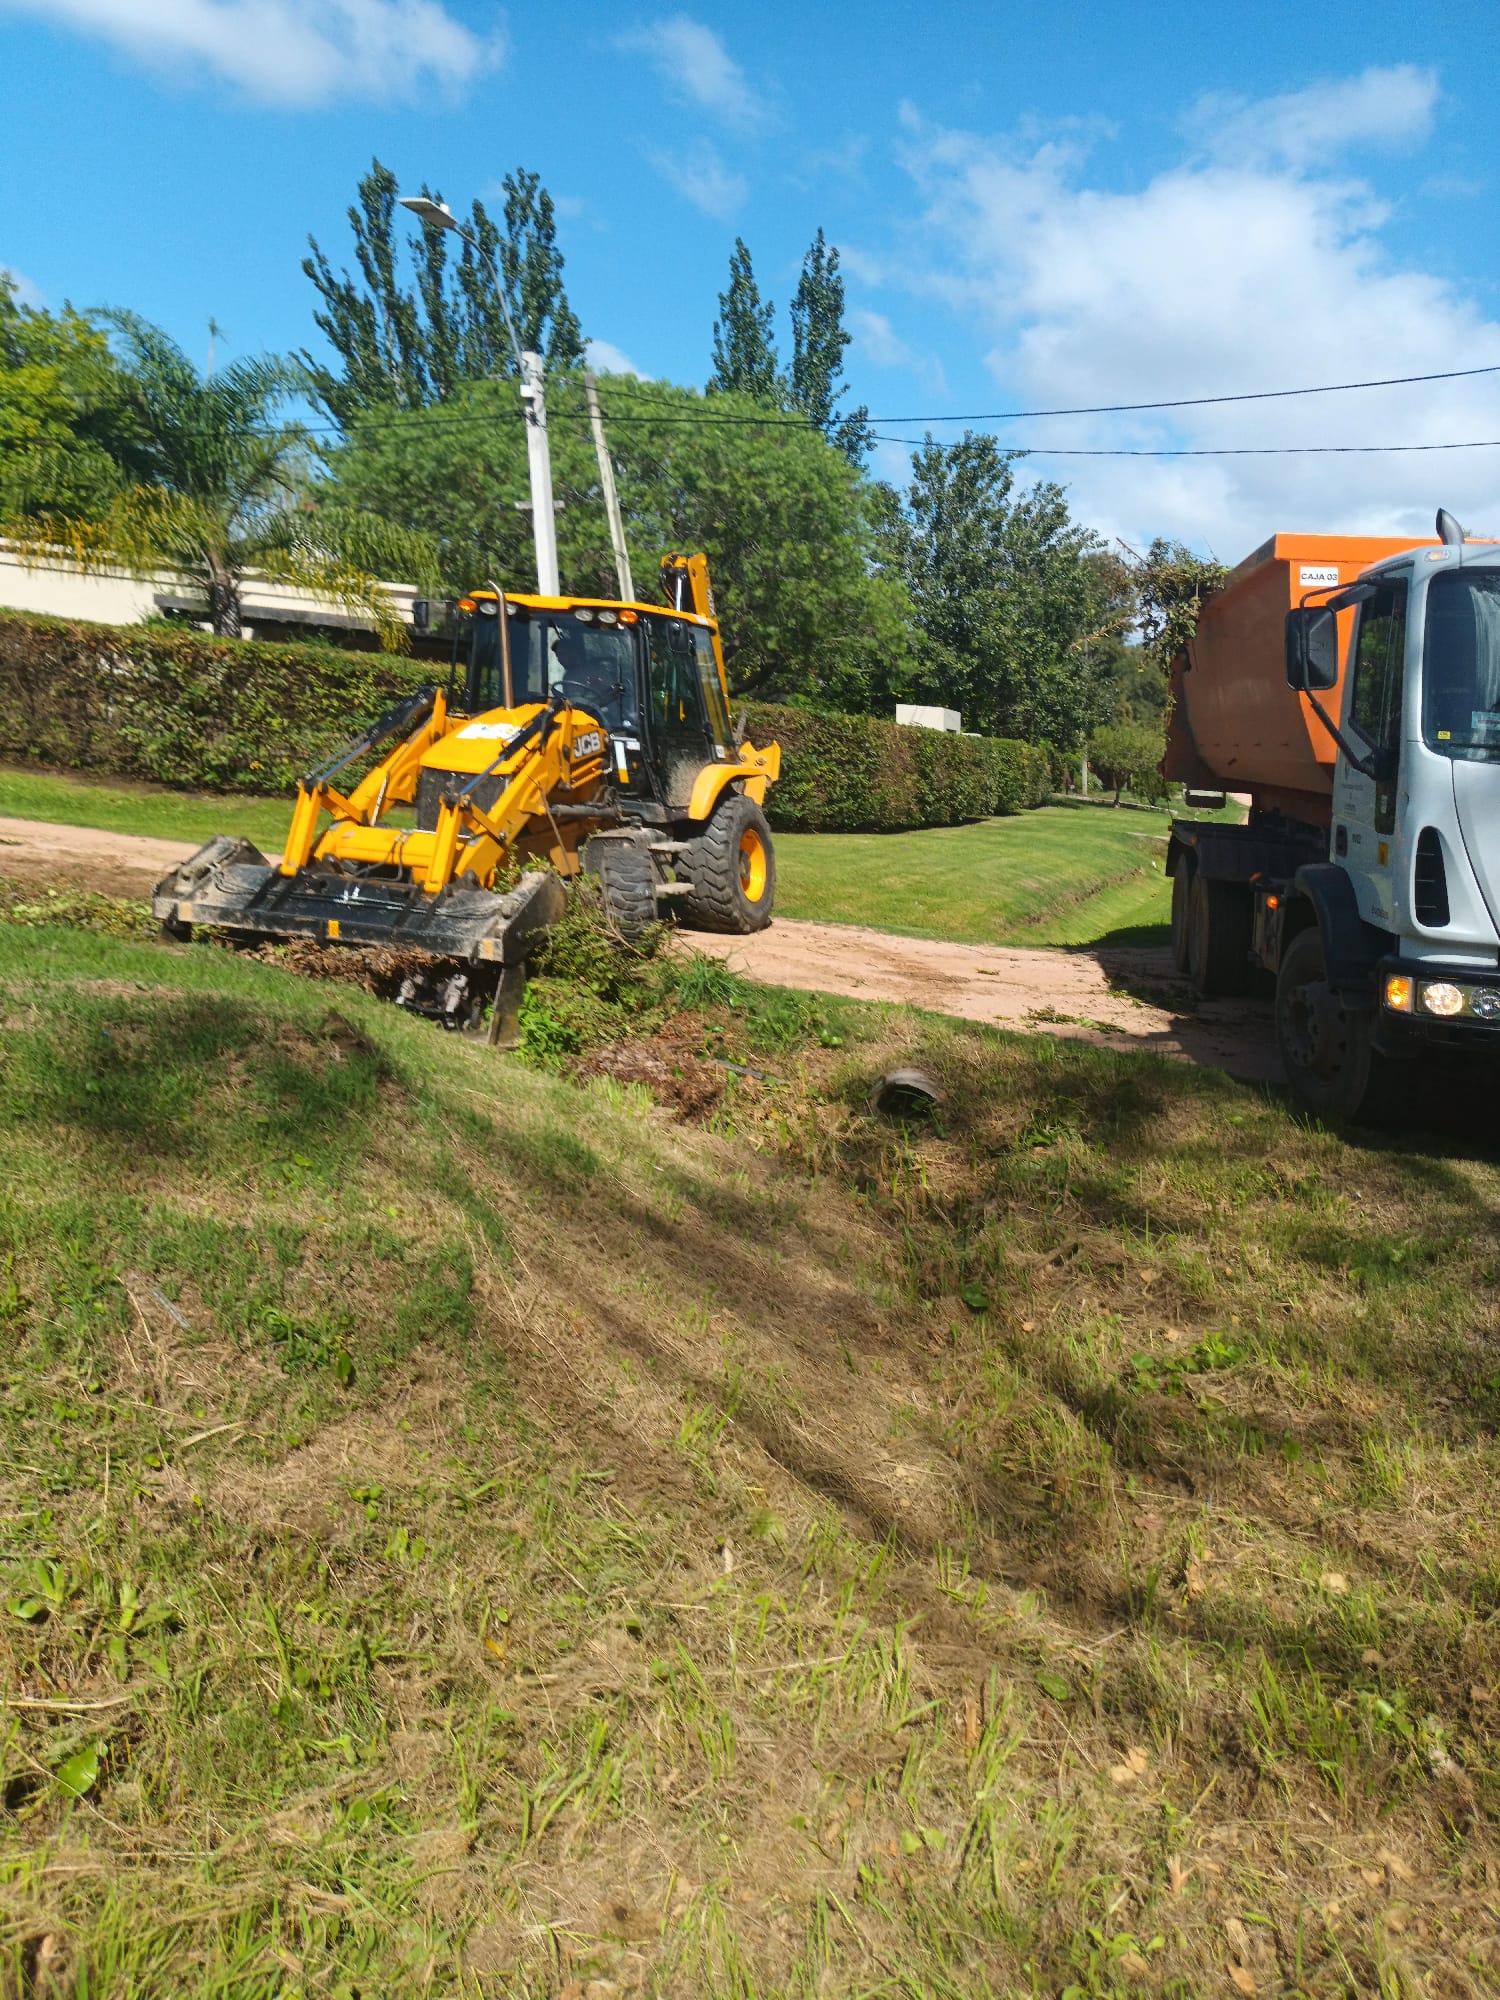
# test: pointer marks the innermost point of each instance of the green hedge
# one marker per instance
(237, 715)
(180, 708)
(854, 774)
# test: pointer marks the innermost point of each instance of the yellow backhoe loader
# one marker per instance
(590, 734)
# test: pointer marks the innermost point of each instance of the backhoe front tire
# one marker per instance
(732, 867)
(626, 875)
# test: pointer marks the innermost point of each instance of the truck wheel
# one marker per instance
(1182, 914)
(627, 882)
(1220, 922)
(1325, 1045)
(732, 867)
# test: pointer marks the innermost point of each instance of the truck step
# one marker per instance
(674, 888)
(670, 846)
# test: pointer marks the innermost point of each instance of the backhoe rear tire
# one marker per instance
(732, 867)
(626, 875)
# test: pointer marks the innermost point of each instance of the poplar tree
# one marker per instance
(410, 348)
(744, 345)
(819, 338)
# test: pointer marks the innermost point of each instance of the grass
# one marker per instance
(121, 806)
(468, 1533)
(1069, 874)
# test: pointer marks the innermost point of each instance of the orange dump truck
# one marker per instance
(1349, 687)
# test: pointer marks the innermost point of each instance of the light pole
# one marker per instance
(533, 396)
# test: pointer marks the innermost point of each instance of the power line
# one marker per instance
(1197, 402)
(1223, 451)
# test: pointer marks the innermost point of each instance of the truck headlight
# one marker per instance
(1400, 993)
(1441, 998)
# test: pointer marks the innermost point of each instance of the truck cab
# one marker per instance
(1373, 898)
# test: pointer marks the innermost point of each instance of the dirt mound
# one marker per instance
(674, 1075)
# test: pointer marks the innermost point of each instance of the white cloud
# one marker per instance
(701, 177)
(26, 293)
(288, 52)
(1218, 275)
(1383, 109)
(607, 359)
(877, 343)
(697, 68)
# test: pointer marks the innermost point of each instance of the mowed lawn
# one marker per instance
(119, 806)
(1066, 874)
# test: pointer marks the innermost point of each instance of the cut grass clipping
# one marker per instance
(473, 1533)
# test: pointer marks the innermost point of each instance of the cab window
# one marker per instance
(713, 693)
(1375, 705)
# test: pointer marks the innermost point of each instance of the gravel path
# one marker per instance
(1121, 999)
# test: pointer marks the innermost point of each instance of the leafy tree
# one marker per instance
(1128, 755)
(808, 611)
(411, 348)
(744, 343)
(1002, 588)
(819, 338)
(221, 487)
(65, 411)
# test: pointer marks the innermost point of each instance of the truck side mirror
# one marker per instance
(1312, 649)
(421, 614)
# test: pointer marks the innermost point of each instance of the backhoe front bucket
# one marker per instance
(230, 885)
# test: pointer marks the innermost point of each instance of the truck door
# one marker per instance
(1364, 808)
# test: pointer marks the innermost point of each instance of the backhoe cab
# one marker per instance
(584, 733)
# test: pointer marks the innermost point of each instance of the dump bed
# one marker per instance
(1235, 724)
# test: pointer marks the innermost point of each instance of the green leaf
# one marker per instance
(25, 1607)
(79, 1774)
(975, 1297)
(1055, 1685)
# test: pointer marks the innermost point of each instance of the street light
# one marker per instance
(438, 215)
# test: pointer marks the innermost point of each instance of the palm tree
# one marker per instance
(222, 484)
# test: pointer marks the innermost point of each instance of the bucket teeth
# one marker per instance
(229, 885)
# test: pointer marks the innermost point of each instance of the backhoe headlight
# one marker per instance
(1486, 1004)
(1398, 994)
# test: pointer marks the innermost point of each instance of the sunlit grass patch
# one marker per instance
(472, 1533)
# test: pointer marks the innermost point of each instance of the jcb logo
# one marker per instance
(588, 745)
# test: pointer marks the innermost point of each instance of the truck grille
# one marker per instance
(1430, 883)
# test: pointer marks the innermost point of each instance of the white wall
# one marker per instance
(913, 715)
(58, 590)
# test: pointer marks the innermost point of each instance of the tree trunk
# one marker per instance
(224, 607)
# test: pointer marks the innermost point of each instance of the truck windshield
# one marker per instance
(1461, 665)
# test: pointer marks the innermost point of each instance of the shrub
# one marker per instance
(855, 774)
(181, 708)
(232, 715)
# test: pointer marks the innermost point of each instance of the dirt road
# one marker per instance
(1122, 999)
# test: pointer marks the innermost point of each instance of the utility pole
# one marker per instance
(438, 215)
(539, 466)
(607, 483)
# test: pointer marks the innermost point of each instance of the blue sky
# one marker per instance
(1036, 206)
